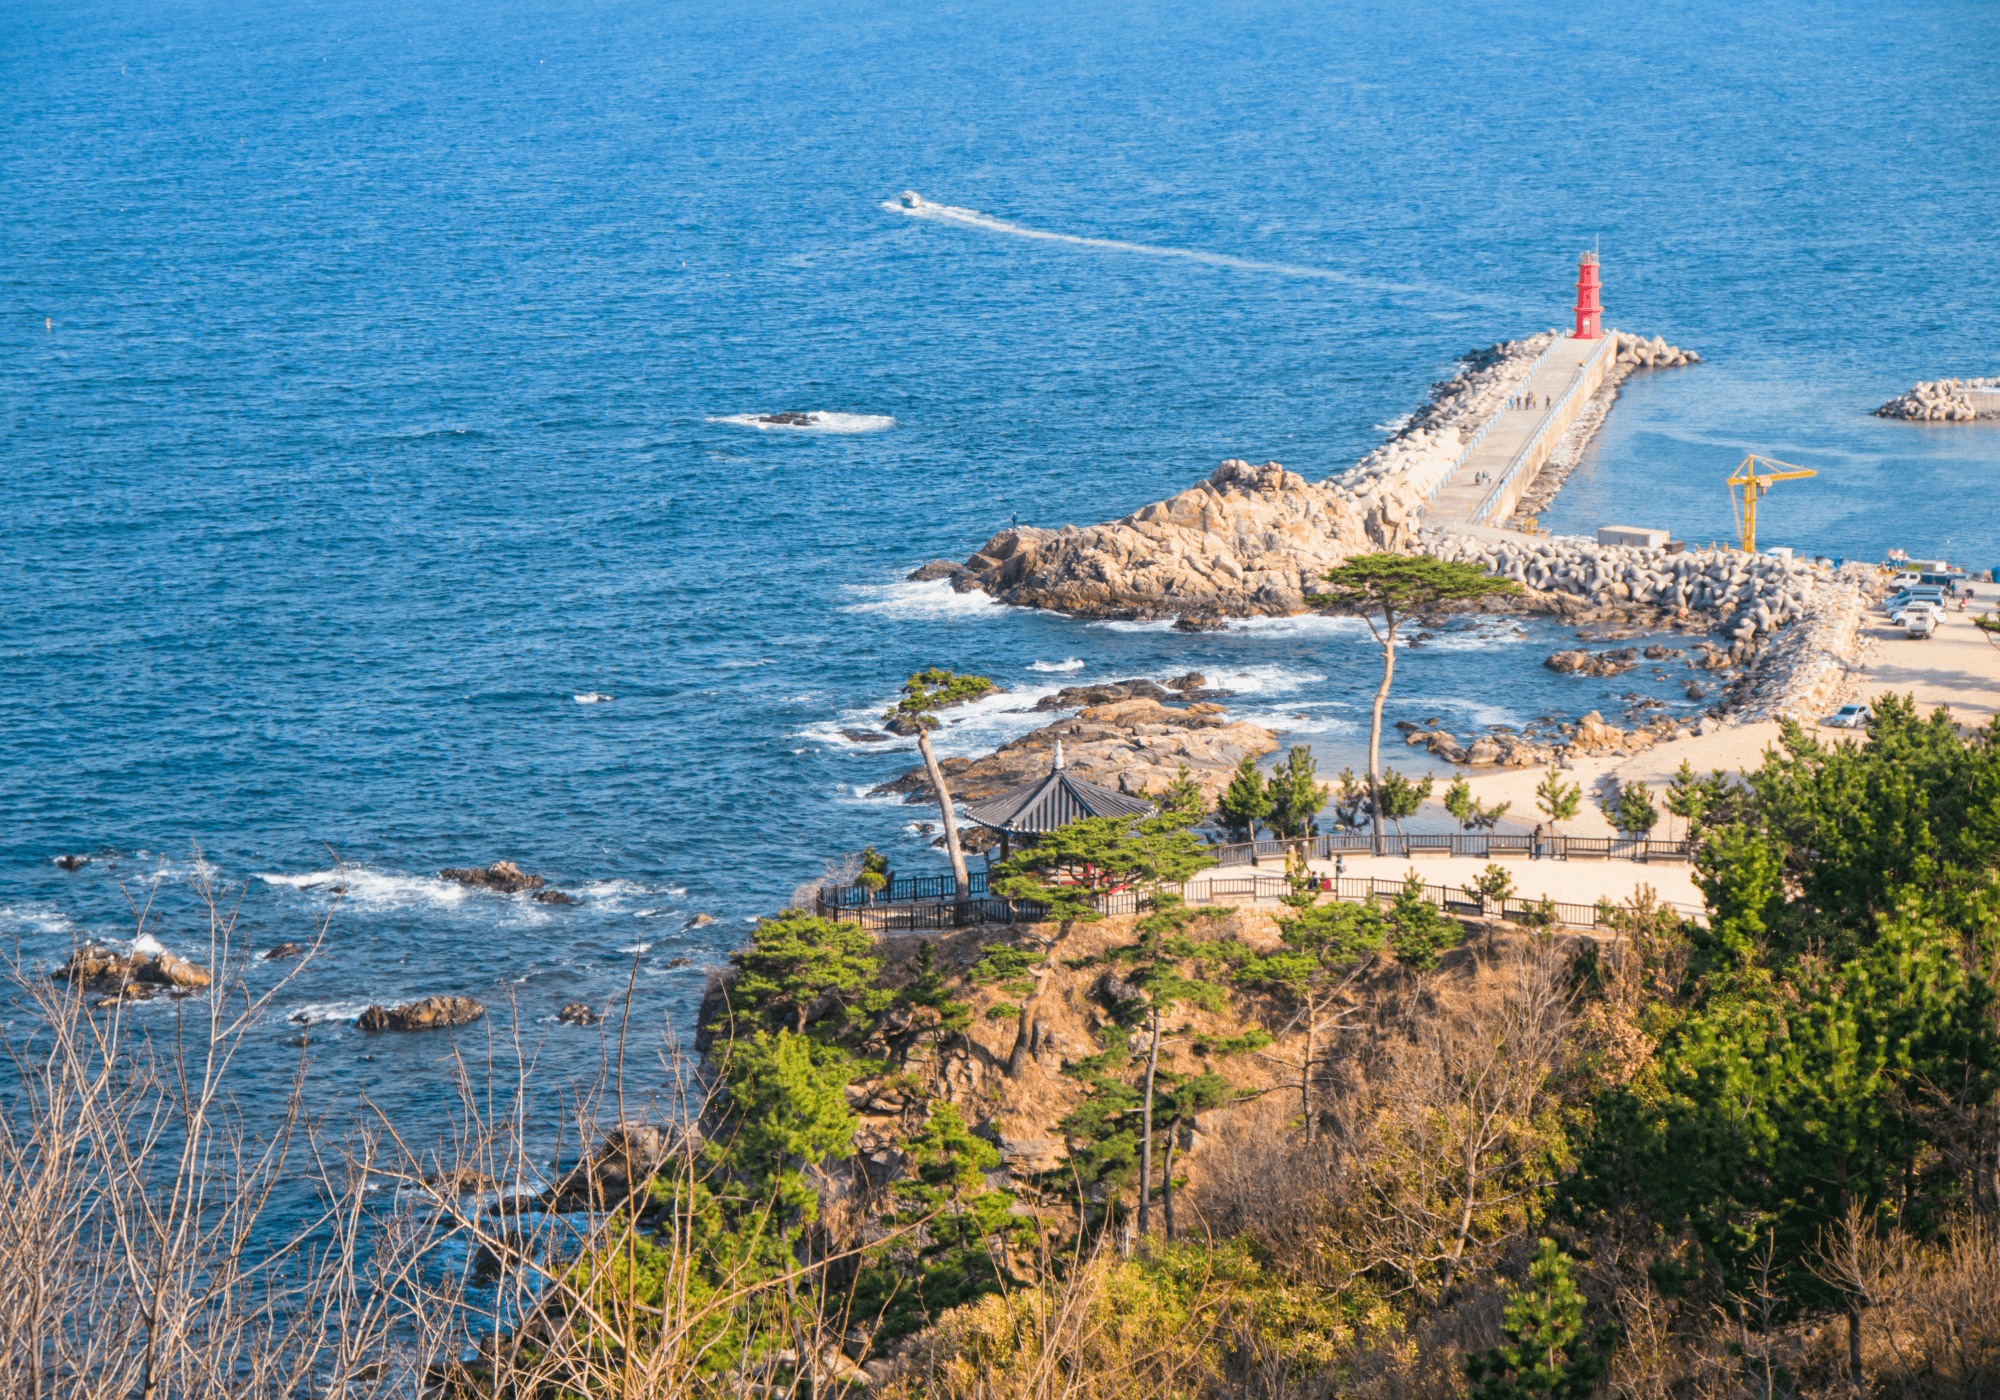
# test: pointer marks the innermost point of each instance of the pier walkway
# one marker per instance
(1511, 453)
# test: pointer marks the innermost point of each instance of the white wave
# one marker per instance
(1264, 680)
(920, 601)
(1165, 624)
(321, 1012)
(147, 944)
(1303, 720)
(373, 890)
(1467, 711)
(637, 948)
(1330, 625)
(171, 869)
(838, 424)
(1073, 664)
(647, 913)
(915, 206)
(37, 919)
(591, 697)
(1481, 636)
(1394, 425)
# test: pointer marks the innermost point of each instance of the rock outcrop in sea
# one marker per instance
(430, 1014)
(1134, 746)
(1941, 401)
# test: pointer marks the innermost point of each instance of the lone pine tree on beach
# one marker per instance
(1387, 590)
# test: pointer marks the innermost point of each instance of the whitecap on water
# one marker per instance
(360, 887)
(319, 1013)
(1073, 664)
(637, 948)
(918, 601)
(591, 697)
(1305, 625)
(812, 421)
(1264, 680)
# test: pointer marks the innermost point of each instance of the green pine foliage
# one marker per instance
(1417, 930)
(1471, 813)
(798, 964)
(1183, 804)
(1547, 1354)
(1295, 798)
(932, 690)
(1557, 800)
(1401, 797)
(1246, 802)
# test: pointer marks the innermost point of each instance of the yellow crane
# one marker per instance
(1754, 486)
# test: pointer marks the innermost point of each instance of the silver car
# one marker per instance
(1847, 717)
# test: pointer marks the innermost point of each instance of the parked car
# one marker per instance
(1847, 717)
(1921, 620)
(1898, 606)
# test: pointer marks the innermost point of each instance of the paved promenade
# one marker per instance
(1456, 505)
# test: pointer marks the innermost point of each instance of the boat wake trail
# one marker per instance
(915, 206)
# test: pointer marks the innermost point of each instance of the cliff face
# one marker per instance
(1248, 541)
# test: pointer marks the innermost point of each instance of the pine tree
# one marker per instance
(925, 693)
(1295, 798)
(1395, 587)
(796, 961)
(1326, 949)
(1557, 800)
(1401, 797)
(1471, 814)
(1182, 803)
(1687, 798)
(1417, 931)
(1547, 1355)
(1247, 801)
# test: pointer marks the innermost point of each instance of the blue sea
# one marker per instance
(376, 379)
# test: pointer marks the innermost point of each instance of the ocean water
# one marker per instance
(380, 382)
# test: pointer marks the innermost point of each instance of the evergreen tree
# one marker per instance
(1687, 798)
(923, 695)
(1557, 800)
(1471, 813)
(1295, 798)
(967, 1229)
(1395, 587)
(1417, 931)
(1547, 1355)
(1327, 947)
(796, 962)
(1071, 870)
(787, 1110)
(1401, 797)
(1183, 804)
(1630, 809)
(1246, 802)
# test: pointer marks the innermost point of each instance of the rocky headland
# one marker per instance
(1943, 401)
(1135, 745)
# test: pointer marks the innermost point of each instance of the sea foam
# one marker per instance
(834, 424)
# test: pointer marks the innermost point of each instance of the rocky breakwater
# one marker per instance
(1748, 598)
(1745, 595)
(1941, 401)
(1254, 540)
(1133, 746)
(1641, 353)
(1805, 672)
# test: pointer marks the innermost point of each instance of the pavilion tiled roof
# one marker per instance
(1055, 801)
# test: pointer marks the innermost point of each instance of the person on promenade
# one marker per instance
(1537, 850)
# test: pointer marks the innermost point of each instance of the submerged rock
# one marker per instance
(553, 897)
(430, 1014)
(502, 875)
(284, 950)
(578, 1014)
(72, 862)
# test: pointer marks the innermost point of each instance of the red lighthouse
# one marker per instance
(1589, 315)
